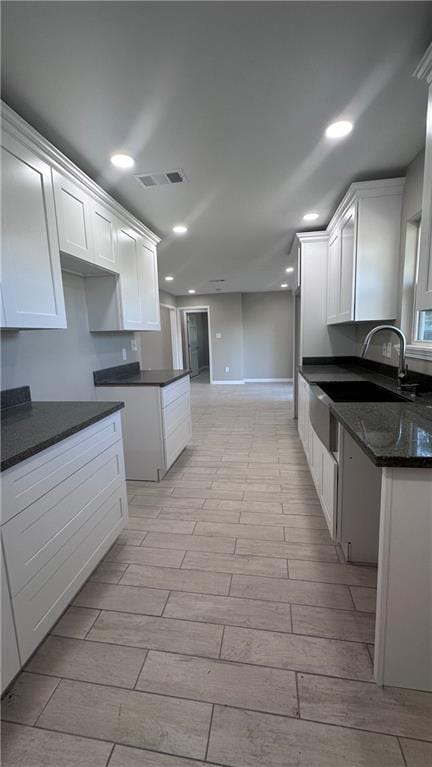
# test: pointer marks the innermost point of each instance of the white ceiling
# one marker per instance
(236, 94)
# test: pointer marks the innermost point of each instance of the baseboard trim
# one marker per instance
(268, 380)
(228, 382)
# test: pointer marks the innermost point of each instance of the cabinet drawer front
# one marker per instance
(25, 483)
(33, 537)
(175, 413)
(41, 602)
(177, 441)
(174, 390)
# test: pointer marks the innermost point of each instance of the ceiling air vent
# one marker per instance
(161, 178)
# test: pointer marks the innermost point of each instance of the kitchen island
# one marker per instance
(396, 438)
(156, 418)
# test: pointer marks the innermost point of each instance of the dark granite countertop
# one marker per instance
(30, 427)
(132, 375)
(390, 433)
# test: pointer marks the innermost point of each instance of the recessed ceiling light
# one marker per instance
(289, 269)
(123, 161)
(169, 278)
(179, 229)
(339, 129)
(191, 291)
(284, 285)
(310, 216)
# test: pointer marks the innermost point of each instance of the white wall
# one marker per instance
(256, 334)
(156, 346)
(59, 364)
(226, 319)
(268, 335)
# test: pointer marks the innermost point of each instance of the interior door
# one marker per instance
(193, 344)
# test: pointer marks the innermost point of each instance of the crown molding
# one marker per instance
(15, 125)
(423, 70)
(361, 189)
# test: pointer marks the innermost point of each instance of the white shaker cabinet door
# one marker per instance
(31, 274)
(333, 279)
(347, 268)
(104, 228)
(10, 662)
(73, 218)
(148, 285)
(128, 243)
(424, 284)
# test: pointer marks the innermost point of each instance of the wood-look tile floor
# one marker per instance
(223, 627)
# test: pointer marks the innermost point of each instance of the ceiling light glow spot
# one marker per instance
(123, 161)
(168, 278)
(284, 285)
(191, 290)
(179, 229)
(339, 129)
(310, 216)
(289, 269)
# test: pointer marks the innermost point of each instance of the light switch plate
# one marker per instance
(124, 354)
(134, 346)
(218, 335)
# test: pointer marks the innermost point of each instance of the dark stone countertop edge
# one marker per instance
(127, 381)
(20, 456)
(381, 461)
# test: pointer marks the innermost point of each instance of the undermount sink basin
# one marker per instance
(359, 391)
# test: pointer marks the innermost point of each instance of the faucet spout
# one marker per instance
(402, 366)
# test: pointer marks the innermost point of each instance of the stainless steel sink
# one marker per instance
(359, 391)
(321, 417)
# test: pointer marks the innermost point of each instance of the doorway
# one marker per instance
(196, 346)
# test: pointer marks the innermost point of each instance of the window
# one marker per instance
(424, 326)
(421, 319)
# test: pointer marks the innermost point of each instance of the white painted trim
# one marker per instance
(419, 352)
(268, 380)
(13, 124)
(227, 382)
(192, 309)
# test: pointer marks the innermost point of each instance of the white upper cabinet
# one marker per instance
(363, 253)
(32, 286)
(73, 218)
(128, 249)
(104, 226)
(128, 300)
(55, 217)
(333, 279)
(424, 281)
(148, 281)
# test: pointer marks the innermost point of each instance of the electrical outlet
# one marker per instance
(124, 354)
(134, 346)
(218, 335)
(389, 350)
(227, 369)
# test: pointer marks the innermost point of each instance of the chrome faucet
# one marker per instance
(402, 373)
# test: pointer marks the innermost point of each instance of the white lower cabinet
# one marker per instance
(322, 463)
(156, 425)
(63, 508)
(10, 661)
